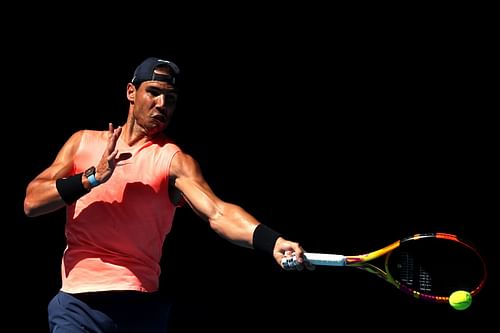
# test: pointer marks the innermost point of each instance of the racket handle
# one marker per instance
(320, 259)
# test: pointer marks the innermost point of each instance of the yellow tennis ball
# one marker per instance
(460, 299)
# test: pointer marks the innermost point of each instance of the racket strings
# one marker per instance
(412, 275)
(434, 268)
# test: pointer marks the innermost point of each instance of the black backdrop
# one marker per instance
(341, 140)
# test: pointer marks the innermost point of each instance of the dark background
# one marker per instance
(344, 137)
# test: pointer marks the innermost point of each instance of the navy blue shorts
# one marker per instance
(113, 311)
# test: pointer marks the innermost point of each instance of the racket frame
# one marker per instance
(363, 262)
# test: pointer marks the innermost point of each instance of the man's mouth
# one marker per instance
(160, 117)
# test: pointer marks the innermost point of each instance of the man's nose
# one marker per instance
(160, 101)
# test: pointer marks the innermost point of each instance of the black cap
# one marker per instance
(146, 71)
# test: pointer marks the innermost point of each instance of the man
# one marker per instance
(121, 188)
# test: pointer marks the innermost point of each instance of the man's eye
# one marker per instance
(170, 100)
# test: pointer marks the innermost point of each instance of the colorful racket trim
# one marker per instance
(427, 266)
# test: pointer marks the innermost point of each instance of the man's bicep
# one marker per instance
(187, 177)
(200, 198)
(62, 166)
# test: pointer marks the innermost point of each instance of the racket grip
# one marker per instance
(320, 259)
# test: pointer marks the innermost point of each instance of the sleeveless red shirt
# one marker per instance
(115, 233)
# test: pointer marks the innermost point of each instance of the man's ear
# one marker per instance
(131, 90)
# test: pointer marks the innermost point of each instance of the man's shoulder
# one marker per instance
(92, 133)
(86, 136)
(167, 143)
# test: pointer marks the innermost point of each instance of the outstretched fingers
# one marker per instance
(107, 164)
(113, 135)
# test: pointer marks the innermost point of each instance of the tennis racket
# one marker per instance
(427, 266)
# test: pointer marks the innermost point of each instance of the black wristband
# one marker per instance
(264, 239)
(71, 188)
